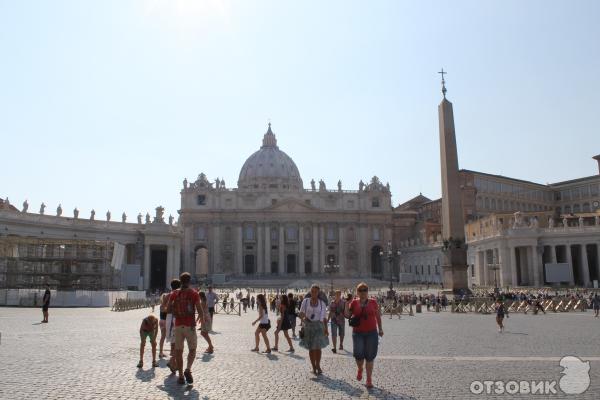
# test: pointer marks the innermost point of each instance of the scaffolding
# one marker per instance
(33, 262)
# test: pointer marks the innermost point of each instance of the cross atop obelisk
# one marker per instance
(442, 72)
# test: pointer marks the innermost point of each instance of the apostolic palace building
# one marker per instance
(273, 226)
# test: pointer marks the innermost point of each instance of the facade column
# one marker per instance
(281, 249)
(536, 256)
(176, 260)
(362, 250)
(216, 252)
(482, 268)
(585, 268)
(267, 267)
(322, 248)
(570, 262)
(147, 267)
(170, 262)
(238, 250)
(514, 281)
(341, 261)
(301, 250)
(530, 265)
(259, 249)
(504, 271)
(553, 254)
(315, 248)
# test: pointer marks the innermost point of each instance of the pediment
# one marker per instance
(290, 205)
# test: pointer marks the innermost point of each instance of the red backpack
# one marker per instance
(183, 303)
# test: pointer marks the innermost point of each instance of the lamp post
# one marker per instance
(495, 267)
(390, 254)
(331, 268)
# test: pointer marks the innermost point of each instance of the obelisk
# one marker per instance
(454, 260)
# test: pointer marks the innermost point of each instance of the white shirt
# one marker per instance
(265, 317)
(318, 312)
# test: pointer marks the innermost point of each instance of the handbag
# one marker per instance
(354, 321)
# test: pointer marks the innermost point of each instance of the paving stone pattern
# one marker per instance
(86, 353)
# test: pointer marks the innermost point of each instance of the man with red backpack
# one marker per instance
(185, 302)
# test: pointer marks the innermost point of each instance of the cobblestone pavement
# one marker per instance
(92, 354)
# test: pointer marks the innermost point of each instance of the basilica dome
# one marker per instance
(270, 168)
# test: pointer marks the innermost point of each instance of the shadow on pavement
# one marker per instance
(206, 357)
(177, 391)
(145, 376)
(353, 391)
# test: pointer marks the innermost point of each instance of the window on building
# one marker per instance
(330, 234)
(291, 234)
(375, 202)
(201, 200)
(376, 234)
(586, 207)
(228, 233)
(274, 235)
(249, 232)
(273, 201)
(576, 208)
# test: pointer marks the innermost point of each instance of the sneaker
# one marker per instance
(188, 376)
(291, 350)
(154, 364)
(140, 364)
(334, 350)
(173, 370)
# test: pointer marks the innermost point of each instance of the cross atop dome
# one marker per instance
(269, 140)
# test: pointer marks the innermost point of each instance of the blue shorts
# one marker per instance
(365, 345)
(337, 330)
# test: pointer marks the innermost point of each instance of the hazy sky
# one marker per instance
(110, 104)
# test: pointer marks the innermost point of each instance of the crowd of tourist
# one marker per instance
(318, 314)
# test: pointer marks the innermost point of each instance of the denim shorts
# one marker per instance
(365, 345)
(337, 330)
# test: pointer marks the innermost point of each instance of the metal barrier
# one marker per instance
(236, 308)
(396, 309)
(487, 306)
(133, 304)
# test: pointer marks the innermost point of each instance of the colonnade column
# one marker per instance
(170, 262)
(267, 266)
(585, 269)
(281, 249)
(536, 253)
(301, 250)
(341, 262)
(513, 267)
(238, 250)
(146, 266)
(570, 262)
(553, 254)
(504, 273)
(481, 273)
(321, 248)
(216, 249)
(315, 249)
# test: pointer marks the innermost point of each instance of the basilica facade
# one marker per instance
(270, 225)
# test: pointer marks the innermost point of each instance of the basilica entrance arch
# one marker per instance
(376, 262)
(201, 264)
